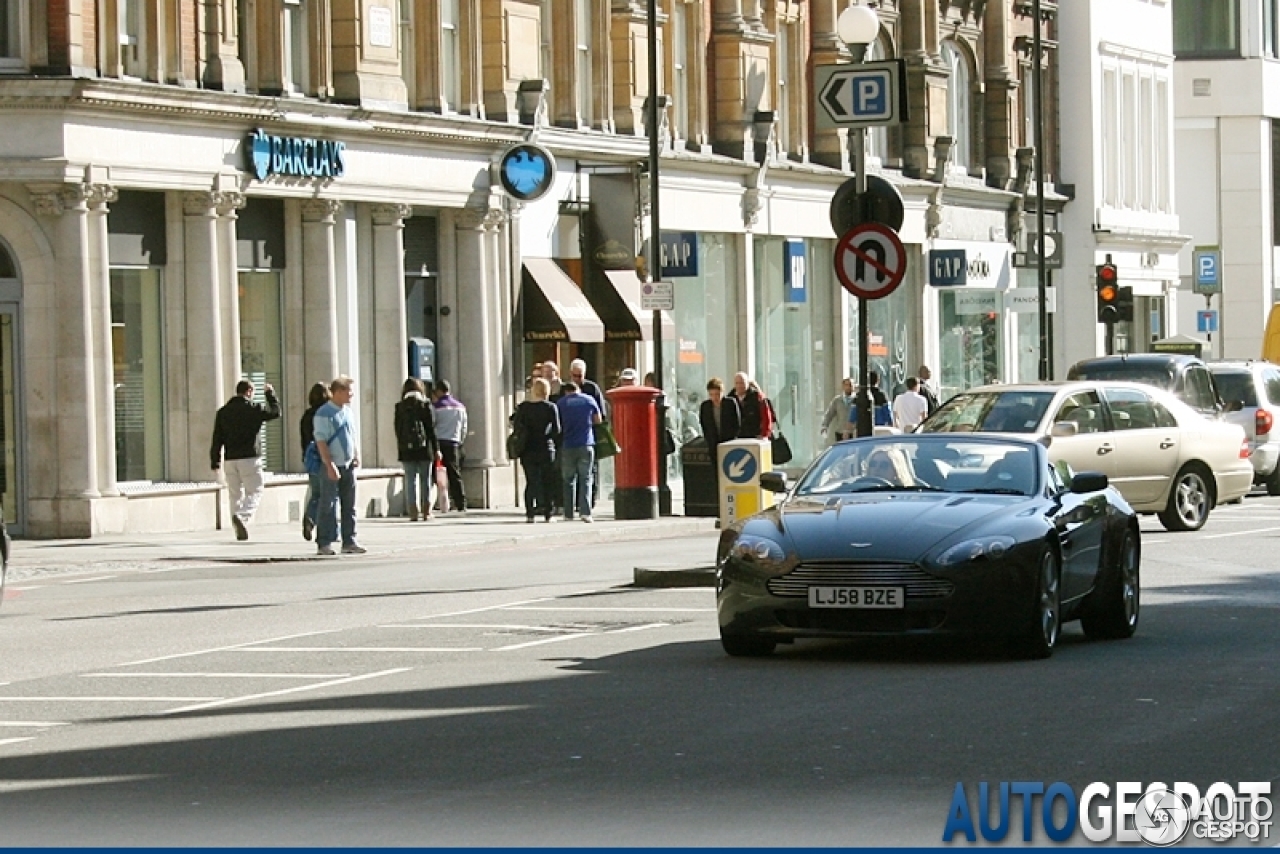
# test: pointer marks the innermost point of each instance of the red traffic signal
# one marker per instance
(1107, 282)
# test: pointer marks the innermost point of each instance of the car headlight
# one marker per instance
(758, 549)
(992, 548)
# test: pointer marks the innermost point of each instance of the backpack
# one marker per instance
(409, 430)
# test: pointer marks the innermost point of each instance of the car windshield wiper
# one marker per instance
(996, 490)
(919, 487)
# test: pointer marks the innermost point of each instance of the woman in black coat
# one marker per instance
(416, 443)
(539, 422)
(756, 419)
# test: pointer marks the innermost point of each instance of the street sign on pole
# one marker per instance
(870, 261)
(1052, 251)
(866, 94)
(1206, 276)
(657, 296)
(1206, 321)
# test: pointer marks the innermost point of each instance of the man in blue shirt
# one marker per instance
(338, 447)
(578, 414)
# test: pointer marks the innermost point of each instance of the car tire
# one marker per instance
(1045, 625)
(741, 645)
(1112, 609)
(1190, 501)
(1273, 481)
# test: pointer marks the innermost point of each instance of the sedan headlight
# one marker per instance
(992, 548)
(758, 549)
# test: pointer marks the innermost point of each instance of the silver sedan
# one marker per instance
(1163, 456)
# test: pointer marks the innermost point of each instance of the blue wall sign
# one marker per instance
(679, 254)
(948, 267)
(298, 157)
(739, 465)
(527, 171)
(795, 275)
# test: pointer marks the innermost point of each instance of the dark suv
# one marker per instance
(1185, 376)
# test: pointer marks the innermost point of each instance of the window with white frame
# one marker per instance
(1270, 39)
(782, 110)
(959, 104)
(11, 42)
(1134, 149)
(1129, 136)
(133, 37)
(582, 59)
(408, 52)
(297, 47)
(450, 64)
(1162, 147)
(1110, 144)
(545, 20)
(680, 69)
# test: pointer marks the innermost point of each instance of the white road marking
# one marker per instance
(106, 699)
(28, 587)
(486, 608)
(528, 644)
(477, 626)
(87, 580)
(360, 649)
(16, 740)
(225, 648)
(637, 628)
(30, 724)
(247, 697)
(163, 675)
(1240, 533)
(625, 610)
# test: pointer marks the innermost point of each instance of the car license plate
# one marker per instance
(856, 597)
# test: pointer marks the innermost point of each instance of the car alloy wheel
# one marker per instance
(1189, 502)
(1042, 635)
(1112, 609)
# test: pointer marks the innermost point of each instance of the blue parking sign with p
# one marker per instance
(1208, 269)
(872, 96)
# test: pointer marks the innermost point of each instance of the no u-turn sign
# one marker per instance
(870, 261)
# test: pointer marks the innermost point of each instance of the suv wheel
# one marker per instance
(1273, 481)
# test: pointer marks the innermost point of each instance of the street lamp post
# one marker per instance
(1042, 284)
(858, 27)
(655, 248)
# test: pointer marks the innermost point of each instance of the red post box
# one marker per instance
(635, 468)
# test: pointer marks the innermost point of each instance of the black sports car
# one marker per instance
(931, 534)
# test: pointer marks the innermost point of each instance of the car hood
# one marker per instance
(895, 527)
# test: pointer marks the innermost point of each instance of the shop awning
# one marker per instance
(623, 317)
(555, 309)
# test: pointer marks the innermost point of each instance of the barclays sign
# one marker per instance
(295, 157)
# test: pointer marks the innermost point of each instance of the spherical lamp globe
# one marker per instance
(858, 25)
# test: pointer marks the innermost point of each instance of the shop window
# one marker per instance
(11, 30)
(262, 351)
(297, 47)
(959, 104)
(972, 339)
(1206, 28)
(138, 365)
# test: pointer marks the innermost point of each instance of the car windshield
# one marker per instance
(990, 412)
(1236, 385)
(924, 463)
(1155, 375)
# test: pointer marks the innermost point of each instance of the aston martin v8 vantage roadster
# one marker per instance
(931, 534)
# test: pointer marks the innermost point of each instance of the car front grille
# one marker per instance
(916, 583)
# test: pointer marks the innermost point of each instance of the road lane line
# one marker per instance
(625, 610)
(476, 626)
(637, 628)
(30, 724)
(163, 675)
(87, 580)
(247, 697)
(528, 644)
(16, 740)
(226, 648)
(1241, 533)
(360, 649)
(106, 699)
(487, 608)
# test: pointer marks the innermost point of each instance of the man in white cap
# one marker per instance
(628, 377)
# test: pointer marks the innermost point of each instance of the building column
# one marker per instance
(219, 37)
(100, 195)
(77, 466)
(319, 288)
(229, 286)
(1245, 158)
(390, 349)
(206, 363)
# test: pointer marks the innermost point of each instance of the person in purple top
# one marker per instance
(578, 414)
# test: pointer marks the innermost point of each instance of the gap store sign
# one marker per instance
(295, 157)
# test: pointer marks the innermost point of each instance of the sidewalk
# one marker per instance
(383, 537)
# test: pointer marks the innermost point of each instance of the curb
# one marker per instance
(681, 576)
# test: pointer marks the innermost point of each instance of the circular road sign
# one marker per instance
(870, 261)
(881, 203)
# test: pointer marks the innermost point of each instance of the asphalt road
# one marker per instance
(532, 698)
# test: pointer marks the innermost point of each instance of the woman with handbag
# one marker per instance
(756, 420)
(536, 424)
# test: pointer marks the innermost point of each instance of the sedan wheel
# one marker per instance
(1042, 635)
(1111, 611)
(746, 645)
(1189, 502)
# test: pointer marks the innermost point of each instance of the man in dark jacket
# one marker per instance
(235, 438)
(720, 420)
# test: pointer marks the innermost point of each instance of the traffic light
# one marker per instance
(1108, 288)
(1124, 302)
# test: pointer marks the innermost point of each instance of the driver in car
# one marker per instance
(889, 464)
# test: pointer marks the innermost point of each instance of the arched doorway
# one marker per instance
(10, 376)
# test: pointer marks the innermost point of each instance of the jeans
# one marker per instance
(418, 475)
(451, 456)
(575, 468)
(537, 498)
(314, 485)
(244, 486)
(332, 494)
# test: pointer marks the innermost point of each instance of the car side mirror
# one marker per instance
(1234, 405)
(1085, 482)
(773, 481)
(1065, 429)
